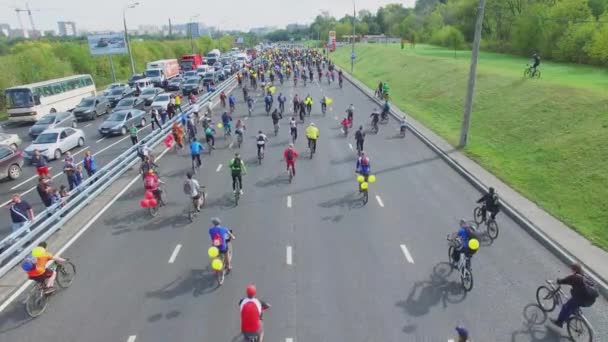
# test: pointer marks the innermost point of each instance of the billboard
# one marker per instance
(107, 44)
(332, 41)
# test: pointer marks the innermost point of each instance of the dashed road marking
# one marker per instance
(351, 146)
(100, 140)
(289, 339)
(407, 254)
(380, 203)
(219, 167)
(88, 125)
(27, 180)
(175, 253)
(131, 338)
(80, 151)
(288, 201)
(289, 255)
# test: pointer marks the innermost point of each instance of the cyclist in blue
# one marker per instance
(282, 99)
(363, 167)
(231, 102)
(268, 102)
(465, 233)
(195, 150)
(220, 236)
(227, 122)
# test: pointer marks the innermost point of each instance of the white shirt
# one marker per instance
(293, 123)
(194, 186)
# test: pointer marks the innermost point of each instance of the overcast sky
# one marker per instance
(227, 14)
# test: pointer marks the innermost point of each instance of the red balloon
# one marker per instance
(152, 202)
(144, 203)
(149, 195)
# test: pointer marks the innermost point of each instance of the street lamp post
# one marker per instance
(352, 51)
(190, 29)
(124, 21)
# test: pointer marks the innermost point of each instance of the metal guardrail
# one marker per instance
(53, 218)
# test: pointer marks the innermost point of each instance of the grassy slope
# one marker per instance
(547, 138)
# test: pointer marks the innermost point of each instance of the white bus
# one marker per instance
(31, 101)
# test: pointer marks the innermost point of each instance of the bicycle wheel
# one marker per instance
(477, 213)
(237, 195)
(65, 274)
(492, 228)
(36, 302)
(203, 199)
(153, 210)
(579, 329)
(536, 74)
(466, 276)
(450, 253)
(526, 72)
(365, 196)
(221, 275)
(290, 175)
(545, 298)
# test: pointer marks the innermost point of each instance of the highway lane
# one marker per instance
(348, 279)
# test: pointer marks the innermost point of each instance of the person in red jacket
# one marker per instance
(290, 155)
(251, 314)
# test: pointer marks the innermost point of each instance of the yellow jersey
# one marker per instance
(312, 132)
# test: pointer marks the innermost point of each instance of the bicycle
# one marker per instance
(153, 210)
(239, 140)
(237, 192)
(294, 135)
(363, 191)
(268, 107)
(531, 72)
(260, 154)
(191, 208)
(312, 146)
(38, 298)
(276, 129)
(221, 274)
(375, 127)
(340, 82)
(463, 266)
(490, 223)
(323, 108)
(548, 297)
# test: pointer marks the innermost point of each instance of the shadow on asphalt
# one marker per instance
(279, 179)
(351, 200)
(333, 219)
(15, 317)
(347, 159)
(534, 327)
(224, 202)
(196, 282)
(169, 315)
(435, 291)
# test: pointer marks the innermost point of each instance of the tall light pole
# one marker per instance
(468, 105)
(190, 29)
(124, 21)
(352, 51)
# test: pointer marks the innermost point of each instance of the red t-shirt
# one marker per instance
(151, 182)
(251, 311)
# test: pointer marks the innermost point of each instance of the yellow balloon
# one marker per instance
(217, 264)
(364, 186)
(371, 179)
(213, 252)
(360, 179)
(473, 244)
(219, 125)
(38, 252)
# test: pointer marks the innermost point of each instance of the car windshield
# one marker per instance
(209, 75)
(190, 74)
(46, 120)
(125, 102)
(162, 98)
(116, 92)
(136, 77)
(117, 117)
(152, 73)
(86, 103)
(19, 98)
(192, 81)
(46, 138)
(176, 80)
(149, 91)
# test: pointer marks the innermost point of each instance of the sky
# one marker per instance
(225, 14)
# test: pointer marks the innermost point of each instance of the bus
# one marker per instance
(31, 101)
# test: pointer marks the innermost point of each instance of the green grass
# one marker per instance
(3, 116)
(547, 138)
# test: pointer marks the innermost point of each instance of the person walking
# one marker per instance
(70, 172)
(133, 134)
(89, 163)
(178, 102)
(154, 118)
(21, 213)
(39, 162)
(171, 110)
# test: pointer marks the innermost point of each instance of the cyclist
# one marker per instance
(223, 99)
(210, 137)
(402, 126)
(363, 167)
(308, 102)
(296, 103)
(385, 89)
(345, 124)
(583, 293)
(302, 108)
(195, 151)
(340, 78)
(36, 269)
(178, 135)
(239, 129)
(290, 155)
(385, 110)
(323, 104)
(251, 314)
(312, 133)
(375, 118)
(465, 234)
(360, 139)
(227, 122)
(350, 111)
(268, 102)
(261, 140)
(245, 93)
(231, 102)
(191, 128)
(275, 120)
(193, 189)
(293, 128)
(220, 236)
(239, 79)
(237, 168)
(535, 62)
(152, 183)
(282, 99)
(490, 203)
(463, 334)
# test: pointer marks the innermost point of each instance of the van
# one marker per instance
(201, 70)
(143, 83)
(209, 77)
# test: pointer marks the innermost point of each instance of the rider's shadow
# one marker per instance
(349, 201)
(534, 327)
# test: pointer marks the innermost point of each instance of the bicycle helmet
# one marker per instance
(463, 223)
(491, 190)
(251, 290)
(216, 221)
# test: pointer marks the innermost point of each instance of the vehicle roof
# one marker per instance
(126, 111)
(41, 83)
(59, 129)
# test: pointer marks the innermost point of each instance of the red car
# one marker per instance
(11, 162)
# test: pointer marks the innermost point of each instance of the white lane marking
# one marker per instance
(288, 201)
(289, 255)
(289, 339)
(100, 140)
(407, 254)
(131, 338)
(78, 234)
(246, 118)
(219, 167)
(27, 180)
(174, 254)
(380, 203)
(351, 146)
(450, 340)
(81, 150)
(89, 125)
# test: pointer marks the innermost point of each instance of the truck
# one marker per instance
(190, 62)
(162, 70)
(213, 56)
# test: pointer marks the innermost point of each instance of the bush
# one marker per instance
(450, 37)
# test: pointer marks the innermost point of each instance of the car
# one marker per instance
(118, 94)
(11, 162)
(51, 120)
(221, 75)
(91, 107)
(149, 94)
(102, 42)
(217, 66)
(129, 103)
(190, 74)
(227, 70)
(175, 83)
(192, 85)
(134, 78)
(54, 142)
(161, 101)
(11, 140)
(119, 122)
(210, 77)
(116, 85)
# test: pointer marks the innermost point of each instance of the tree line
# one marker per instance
(561, 30)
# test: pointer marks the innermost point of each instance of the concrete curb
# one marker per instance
(554, 247)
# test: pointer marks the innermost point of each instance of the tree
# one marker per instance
(450, 37)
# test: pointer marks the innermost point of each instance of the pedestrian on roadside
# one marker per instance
(163, 117)
(56, 198)
(70, 172)
(89, 163)
(78, 174)
(178, 102)
(68, 157)
(133, 133)
(21, 213)
(39, 162)
(154, 118)
(171, 110)
(44, 191)
(63, 191)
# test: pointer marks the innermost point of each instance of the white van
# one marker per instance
(201, 70)
(143, 83)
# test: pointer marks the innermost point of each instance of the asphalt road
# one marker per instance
(333, 269)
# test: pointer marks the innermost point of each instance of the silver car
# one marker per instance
(54, 142)
(11, 140)
(52, 120)
(119, 122)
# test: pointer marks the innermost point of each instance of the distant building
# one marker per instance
(67, 28)
(262, 30)
(152, 30)
(5, 30)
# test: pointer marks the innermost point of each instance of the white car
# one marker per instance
(54, 142)
(161, 101)
(11, 140)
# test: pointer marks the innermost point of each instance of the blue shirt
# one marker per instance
(226, 119)
(224, 233)
(231, 99)
(195, 148)
(464, 236)
(363, 169)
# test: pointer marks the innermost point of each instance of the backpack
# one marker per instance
(216, 240)
(365, 161)
(290, 154)
(495, 200)
(591, 291)
(149, 182)
(188, 187)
